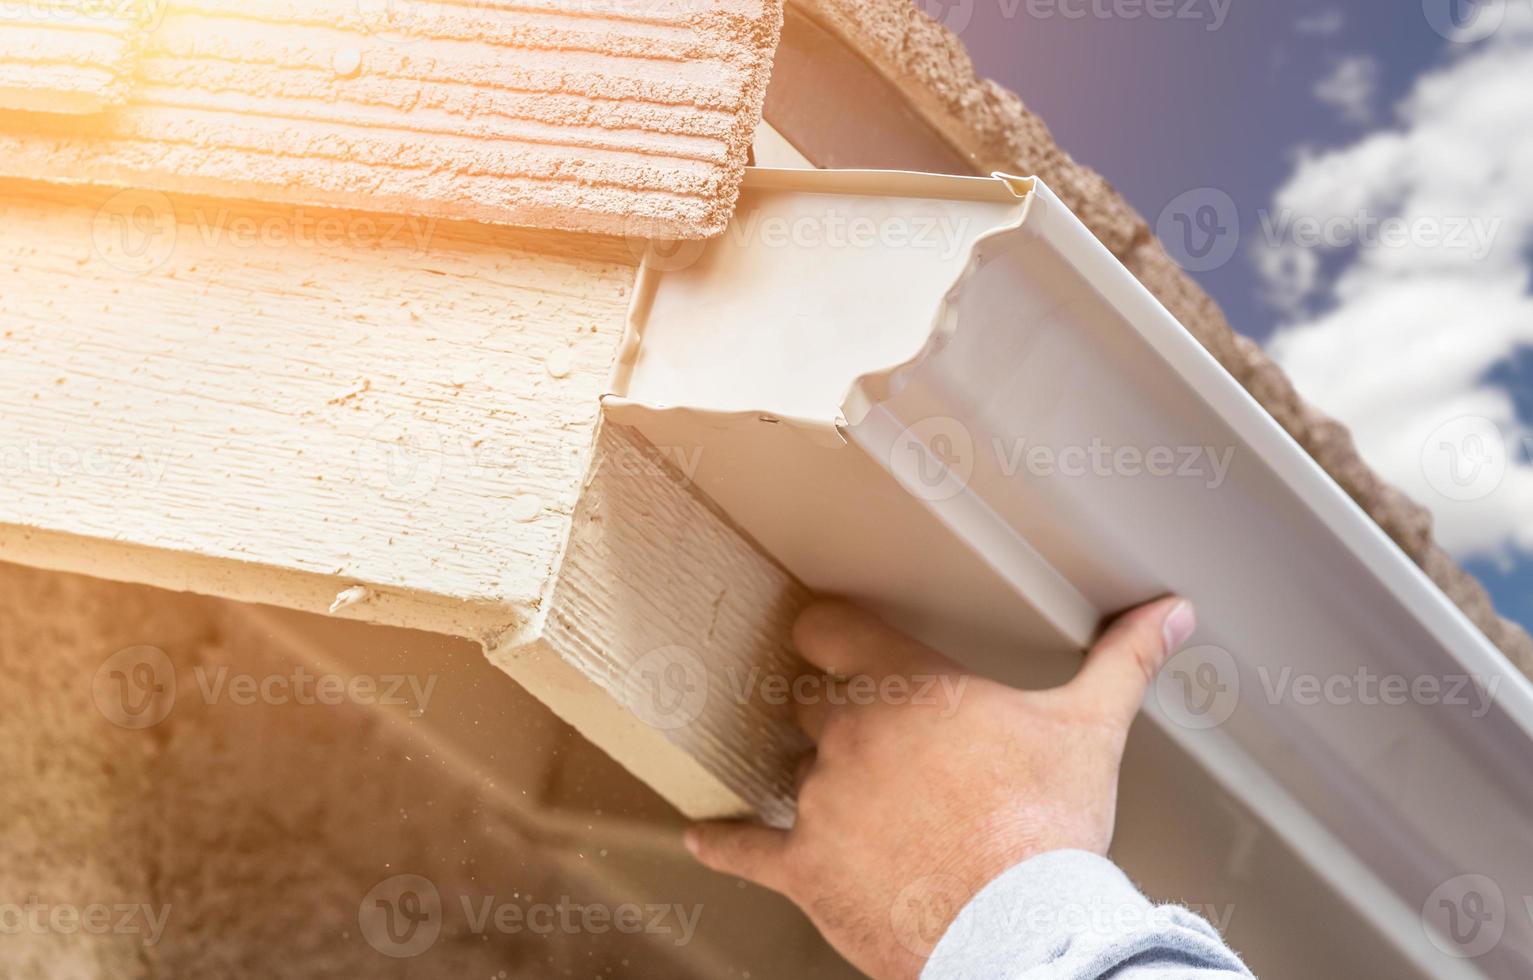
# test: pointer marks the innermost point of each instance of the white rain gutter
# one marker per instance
(943, 397)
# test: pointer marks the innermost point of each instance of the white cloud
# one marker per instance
(1322, 23)
(1394, 336)
(1351, 87)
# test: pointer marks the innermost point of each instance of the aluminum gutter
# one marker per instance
(961, 370)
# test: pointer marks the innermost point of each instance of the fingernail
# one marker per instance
(1178, 625)
(689, 840)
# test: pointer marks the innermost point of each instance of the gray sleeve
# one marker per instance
(1071, 915)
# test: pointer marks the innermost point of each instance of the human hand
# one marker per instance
(909, 806)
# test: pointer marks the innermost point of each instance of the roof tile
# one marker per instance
(587, 115)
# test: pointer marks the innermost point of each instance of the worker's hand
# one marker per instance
(911, 805)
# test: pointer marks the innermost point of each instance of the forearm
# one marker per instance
(1071, 915)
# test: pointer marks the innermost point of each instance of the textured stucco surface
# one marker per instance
(259, 828)
(994, 130)
(68, 57)
(599, 116)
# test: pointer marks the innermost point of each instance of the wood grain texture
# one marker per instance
(663, 626)
(598, 116)
(69, 57)
(274, 404)
(250, 403)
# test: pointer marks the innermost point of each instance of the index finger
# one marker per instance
(844, 641)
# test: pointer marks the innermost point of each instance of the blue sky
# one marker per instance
(1351, 122)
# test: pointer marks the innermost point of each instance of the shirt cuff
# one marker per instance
(1058, 912)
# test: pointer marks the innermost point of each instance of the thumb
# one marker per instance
(1125, 660)
(745, 850)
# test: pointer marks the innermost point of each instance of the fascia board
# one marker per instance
(1039, 337)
